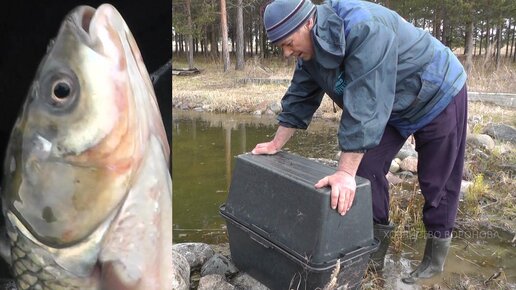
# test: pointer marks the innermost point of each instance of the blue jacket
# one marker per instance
(378, 68)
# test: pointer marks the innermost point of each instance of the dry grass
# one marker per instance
(406, 203)
(488, 79)
(214, 90)
(480, 114)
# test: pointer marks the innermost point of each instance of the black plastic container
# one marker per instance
(278, 269)
(282, 230)
(274, 196)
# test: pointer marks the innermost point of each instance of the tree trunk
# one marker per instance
(176, 39)
(256, 39)
(190, 48)
(214, 46)
(224, 29)
(481, 39)
(498, 45)
(263, 40)
(488, 45)
(240, 62)
(437, 25)
(514, 53)
(474, 41)
(182, 43)
(469, 46)
(445, 36)
(508, 38)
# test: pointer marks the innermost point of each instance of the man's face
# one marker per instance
(299, 43)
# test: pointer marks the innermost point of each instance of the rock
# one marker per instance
(222, 249)
(269, 112)
(479, 153)
(406, 151)
(405, 174)
(211, 282)
(180, 272)
(244, 281)
(466, 172)
(7, 284)
(275, 107)
(502, 132)
(185, 106)
(257, 113)
(409, 164)
(464, 187)
(505, 149)
(198, 109)
(393, 179)
(475, 119)
(394, 166)
(482, 141)
(195, 253)
(220, 265)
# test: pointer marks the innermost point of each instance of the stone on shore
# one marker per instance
(406, 151)
(395, 167)
(195, 253)
(244, 281)
(220, 265)
(409, 164)
(214, 281)
(480, 141)
(180, 272)
(501, 132)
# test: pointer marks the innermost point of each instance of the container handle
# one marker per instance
(261, 241)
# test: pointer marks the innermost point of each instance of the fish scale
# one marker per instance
(35, 270)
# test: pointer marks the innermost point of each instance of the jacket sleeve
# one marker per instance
(301, 100)
(370, 77)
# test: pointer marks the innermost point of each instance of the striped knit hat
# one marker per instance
(282, 17)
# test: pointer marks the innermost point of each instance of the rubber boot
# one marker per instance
(436, 250)
(383, 234)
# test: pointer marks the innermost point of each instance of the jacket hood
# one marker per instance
(328, 38)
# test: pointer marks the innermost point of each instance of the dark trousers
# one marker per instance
(440, 146)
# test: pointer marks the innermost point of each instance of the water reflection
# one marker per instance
(204, 147)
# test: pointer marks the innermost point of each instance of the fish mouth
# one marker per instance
(98, 28)
(86, 17)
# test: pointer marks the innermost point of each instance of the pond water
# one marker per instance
(204, 146)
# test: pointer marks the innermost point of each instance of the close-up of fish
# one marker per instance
(86, 189)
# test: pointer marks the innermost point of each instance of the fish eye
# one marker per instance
(61, 90)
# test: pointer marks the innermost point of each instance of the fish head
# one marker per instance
(79, 140)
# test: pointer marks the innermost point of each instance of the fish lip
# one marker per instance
(79, 20)
(86, 15)
(82, 21)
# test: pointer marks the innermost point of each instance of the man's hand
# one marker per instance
(265, 148)
(281, 137)
(343, 188)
